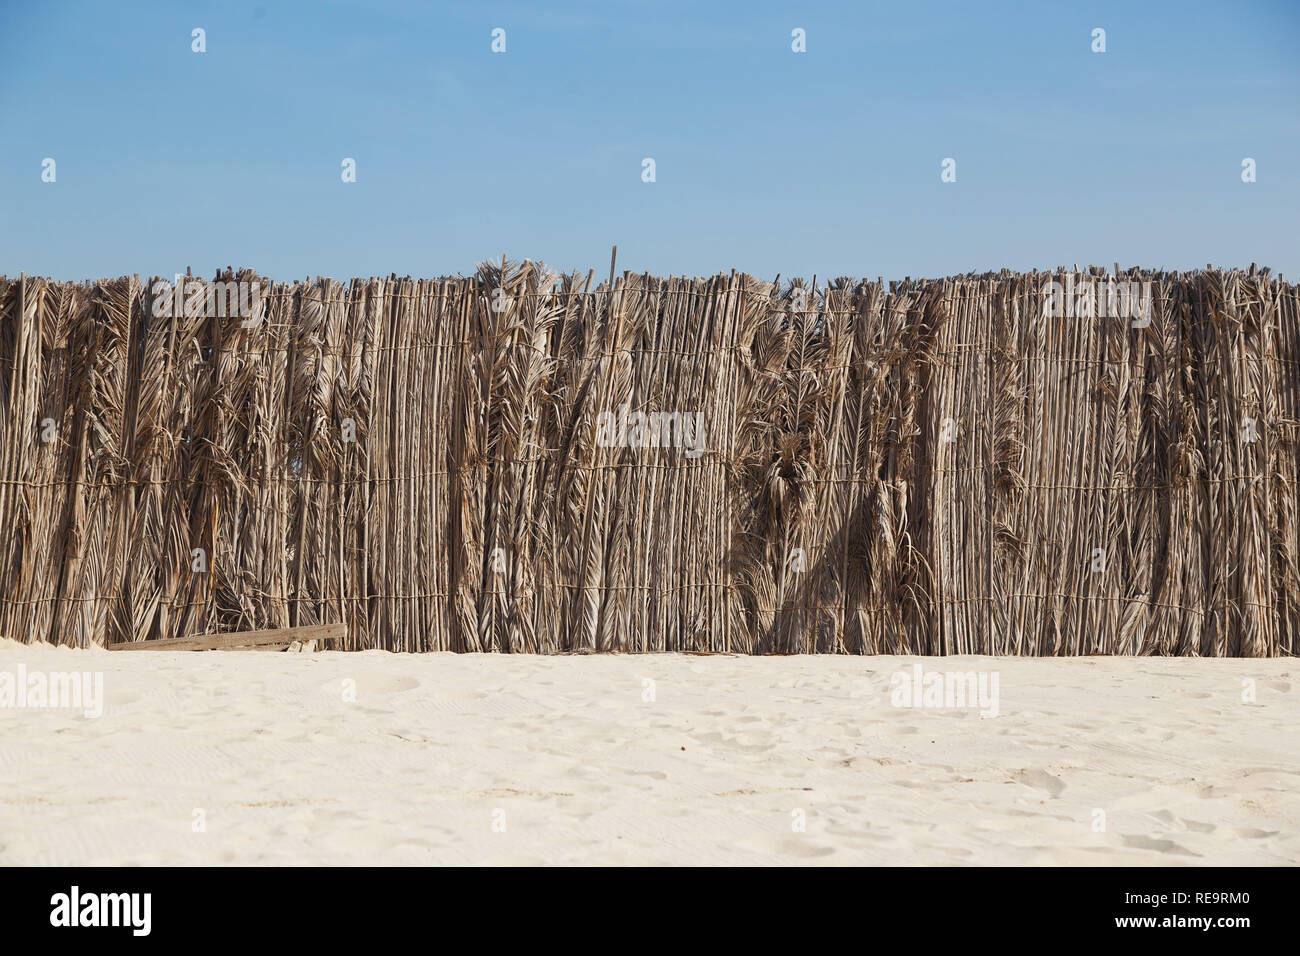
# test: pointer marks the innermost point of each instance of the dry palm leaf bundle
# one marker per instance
(527, 462)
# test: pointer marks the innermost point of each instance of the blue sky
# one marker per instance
(767, 161)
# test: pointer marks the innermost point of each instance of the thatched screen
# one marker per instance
(922, 466)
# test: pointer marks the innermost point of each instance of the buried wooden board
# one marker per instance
(241, 640)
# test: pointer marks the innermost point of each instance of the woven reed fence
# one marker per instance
(924, 466)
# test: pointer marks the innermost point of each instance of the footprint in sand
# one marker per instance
(786, 846)
(1159, 846)
(1176, 822)
(652, 774)
(120, 698)
(1041, 780)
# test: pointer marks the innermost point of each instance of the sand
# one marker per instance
(264, 758)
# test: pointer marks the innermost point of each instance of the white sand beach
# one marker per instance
(261, 758)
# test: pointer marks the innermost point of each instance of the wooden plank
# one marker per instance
(283, 636)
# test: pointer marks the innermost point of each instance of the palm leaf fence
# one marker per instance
(926, 466)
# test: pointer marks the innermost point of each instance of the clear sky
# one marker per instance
(766, 160)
